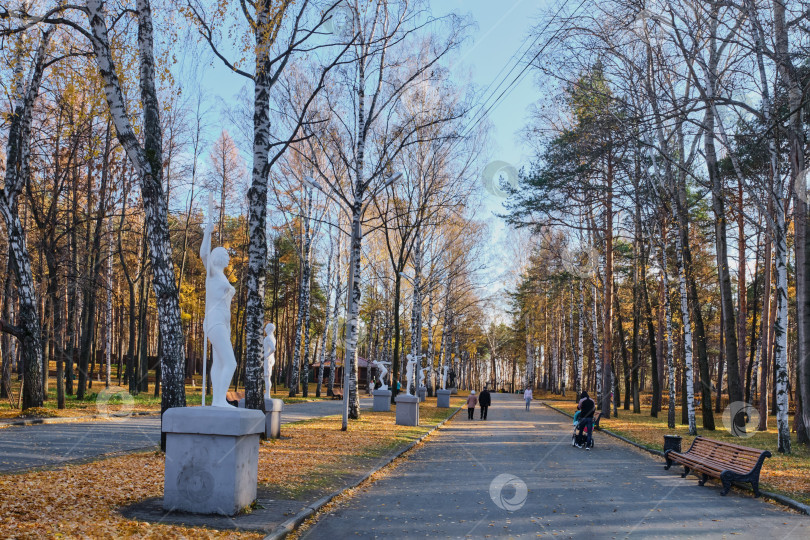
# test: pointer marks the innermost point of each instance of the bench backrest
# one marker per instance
(723, 452)
(234, 396)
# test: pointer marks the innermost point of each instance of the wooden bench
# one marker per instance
(726, 461)
(337, 395)
(234, 397)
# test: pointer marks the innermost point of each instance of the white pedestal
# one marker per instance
(382, 400)
(272, 418)
(272, 410)
(407, 410)
(443, 399)
(422, 393)
(454, 391)
(212, 457)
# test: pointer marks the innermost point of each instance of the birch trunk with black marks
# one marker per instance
(791, 79)
(350, 395)
(148, 161)
(302, 315)
(335, 318)
(431, 379)
(670, 345)
(416, 310)
(327, 315)
(687, 335)
(28, 328)
(780, 333)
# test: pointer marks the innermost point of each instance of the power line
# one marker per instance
(510, 87)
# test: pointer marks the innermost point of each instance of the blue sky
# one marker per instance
(503, 29)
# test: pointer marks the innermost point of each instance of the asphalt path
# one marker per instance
(27, 447)
(516, 475)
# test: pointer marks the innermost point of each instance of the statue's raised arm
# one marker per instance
(205, 247)
(217, 322)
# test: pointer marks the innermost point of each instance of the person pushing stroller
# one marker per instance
(583, 422)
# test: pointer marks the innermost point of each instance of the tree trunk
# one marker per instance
(687, 337)
(148, 161)
(790, 78)
(28, 331)
(607, 337)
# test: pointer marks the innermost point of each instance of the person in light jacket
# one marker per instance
(472, 401)
(527, 396)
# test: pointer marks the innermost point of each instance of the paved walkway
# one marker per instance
(465, 479)
(26, 447)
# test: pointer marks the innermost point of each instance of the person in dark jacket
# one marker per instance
(586, 408)
(484, 400)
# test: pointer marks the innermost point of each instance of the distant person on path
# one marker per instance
(484, 400)
(472, 401)
(527, 396)
(586, 408)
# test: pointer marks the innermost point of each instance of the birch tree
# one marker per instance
(17, 173)
(377, 132)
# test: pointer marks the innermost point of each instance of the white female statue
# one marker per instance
(445, 369)
(269, 358)
(382, 371)
(422, 377)
(409, 373)
(217, 322)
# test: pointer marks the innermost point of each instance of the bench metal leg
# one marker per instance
(669, 461)
(703, 479)
(685, 471)
(727, 479)
(755, 485)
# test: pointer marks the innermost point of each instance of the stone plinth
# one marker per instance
(212, 456)
(422, 393)
(454, 391)
(407, 410)
(443, 399)
(272, 410)
(272, 418)
(382, 400)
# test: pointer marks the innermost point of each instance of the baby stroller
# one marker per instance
(580, 436)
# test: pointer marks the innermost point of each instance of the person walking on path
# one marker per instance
(484, 400)
(472, 401)
(527, 396)
(586, 407)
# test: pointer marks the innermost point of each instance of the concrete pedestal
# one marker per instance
(422, 393)
(212, 457)
(407, 410)
(443, 399)
(382, 400)
(454, 391)
(272, 410)
(272, 418)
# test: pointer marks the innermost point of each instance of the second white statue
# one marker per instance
(269, 358)
(217, 323)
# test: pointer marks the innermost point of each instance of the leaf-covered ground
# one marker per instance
(80, 501)
(786, 474)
